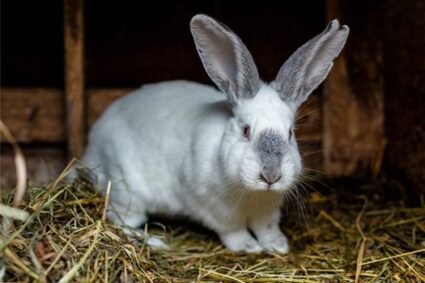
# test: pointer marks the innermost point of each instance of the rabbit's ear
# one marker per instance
(310, 64)
(226, 58)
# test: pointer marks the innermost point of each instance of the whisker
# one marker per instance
(307, 154)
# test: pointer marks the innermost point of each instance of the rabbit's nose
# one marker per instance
(270, 178)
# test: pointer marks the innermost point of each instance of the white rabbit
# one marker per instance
(222, 158)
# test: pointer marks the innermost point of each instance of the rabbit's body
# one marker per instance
(223, 158)
(172, 162)
(155, 163)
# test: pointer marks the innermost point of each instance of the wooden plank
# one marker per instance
(404, 55)
(353, 95)
(38, 114)
(74, 76)
(34, 115)
(44, 163)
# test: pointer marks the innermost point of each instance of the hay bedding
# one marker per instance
(363, 237)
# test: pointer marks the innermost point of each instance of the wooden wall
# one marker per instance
(82, 56)
(404, 57)
(353, 95)
(381, 82)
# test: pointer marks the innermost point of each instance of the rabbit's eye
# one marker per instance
(246, 131)
(291, 131)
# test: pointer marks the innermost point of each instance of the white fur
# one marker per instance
(168, 150)
(178, 148)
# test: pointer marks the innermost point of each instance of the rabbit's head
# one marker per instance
(259, 148)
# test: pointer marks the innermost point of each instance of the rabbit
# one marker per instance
(224, 158)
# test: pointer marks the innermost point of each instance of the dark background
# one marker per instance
(133, 42)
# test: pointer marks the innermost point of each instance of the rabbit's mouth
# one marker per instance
(261, 183)
(269, 181)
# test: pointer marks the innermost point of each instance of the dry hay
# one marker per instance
(350, 237)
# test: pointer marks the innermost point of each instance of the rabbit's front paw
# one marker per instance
(269, 235)
(241, 241)
(275, 243)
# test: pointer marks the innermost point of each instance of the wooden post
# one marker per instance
(74, 76)
(353, 96)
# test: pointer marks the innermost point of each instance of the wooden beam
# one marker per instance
(74, 76)
(403, 46)
(43, 163)
(353, 96)
(38, 114)
(34, 114)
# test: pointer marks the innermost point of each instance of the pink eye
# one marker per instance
(246, 131)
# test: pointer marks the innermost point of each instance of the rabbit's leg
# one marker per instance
(126, 217)
(240, 240)
(139, 236)
(130, 224)
(130, 217)
(266, 229)
(232, 230)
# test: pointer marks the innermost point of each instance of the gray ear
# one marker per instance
(226, 58)
(310, 64)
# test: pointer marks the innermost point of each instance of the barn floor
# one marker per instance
(375, 235)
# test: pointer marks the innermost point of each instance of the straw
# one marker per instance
(65, 240)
